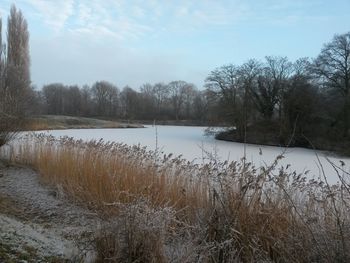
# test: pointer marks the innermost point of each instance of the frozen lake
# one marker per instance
(191, 143)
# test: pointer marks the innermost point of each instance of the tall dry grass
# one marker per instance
(167, 209)
(101, 174)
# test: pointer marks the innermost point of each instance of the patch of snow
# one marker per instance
(47, 241)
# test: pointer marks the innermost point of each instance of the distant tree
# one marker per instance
(155, 102)
(300, 103)
(225, 86)
(161, 93)
(248, 77)
(223, 80)
(278, 71)
(86, 101)
(38, 102)
(177, 91)
(190, 91)
(54, 98)
(200, 106)
(106, 97)
(72, 101)
(130, 103)
(272, 81)
(148, 102)
(333, 67)
(262, 95)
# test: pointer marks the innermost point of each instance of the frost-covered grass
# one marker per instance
(163, 208)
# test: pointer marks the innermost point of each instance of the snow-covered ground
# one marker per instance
(42, 218)
(193, 145)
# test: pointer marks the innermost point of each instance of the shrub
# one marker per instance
(9, 127)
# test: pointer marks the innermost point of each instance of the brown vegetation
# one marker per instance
(9, 126)
(159, 209)
(58, 122)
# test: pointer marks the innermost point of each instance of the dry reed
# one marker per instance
(216, 212)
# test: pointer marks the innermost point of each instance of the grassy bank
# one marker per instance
(270, 135)
(58, 122)
(160, 208)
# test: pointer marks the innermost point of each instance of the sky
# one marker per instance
(133, 42)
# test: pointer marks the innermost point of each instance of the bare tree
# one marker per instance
(73, 101)
(224, 82)
(333, 65)
(278, 70)
(268, 92)
(200, 106)
(177, 91)
(190, 93)
(300, 99)
(86, 101)
(248, 77)
(161, 92)
(148, 101)
(130, 103)
(54, 98)
(106, 96)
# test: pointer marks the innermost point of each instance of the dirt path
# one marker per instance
(38, 223)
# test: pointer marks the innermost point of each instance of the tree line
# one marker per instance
(176, 100)
(276, 101)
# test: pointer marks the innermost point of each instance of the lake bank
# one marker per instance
(58, 122)
(269, 137)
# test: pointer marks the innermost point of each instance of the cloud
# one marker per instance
(138, 11)
(288, 12)
(108, 19)
(136, 20)
(84, 13)
(54, 13)
(123, 19)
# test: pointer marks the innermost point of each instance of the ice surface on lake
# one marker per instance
(191, 143)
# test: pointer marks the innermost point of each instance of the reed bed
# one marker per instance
(160, 208)
(100, 174)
